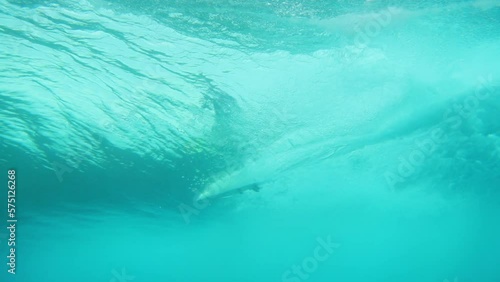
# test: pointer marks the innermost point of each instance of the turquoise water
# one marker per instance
(251, 140)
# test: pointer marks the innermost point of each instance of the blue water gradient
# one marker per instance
(369, 130)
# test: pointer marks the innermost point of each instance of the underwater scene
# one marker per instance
(250, 140)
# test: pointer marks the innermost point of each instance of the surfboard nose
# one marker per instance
(200, 197)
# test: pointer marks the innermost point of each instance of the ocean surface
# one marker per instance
(251, 141)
